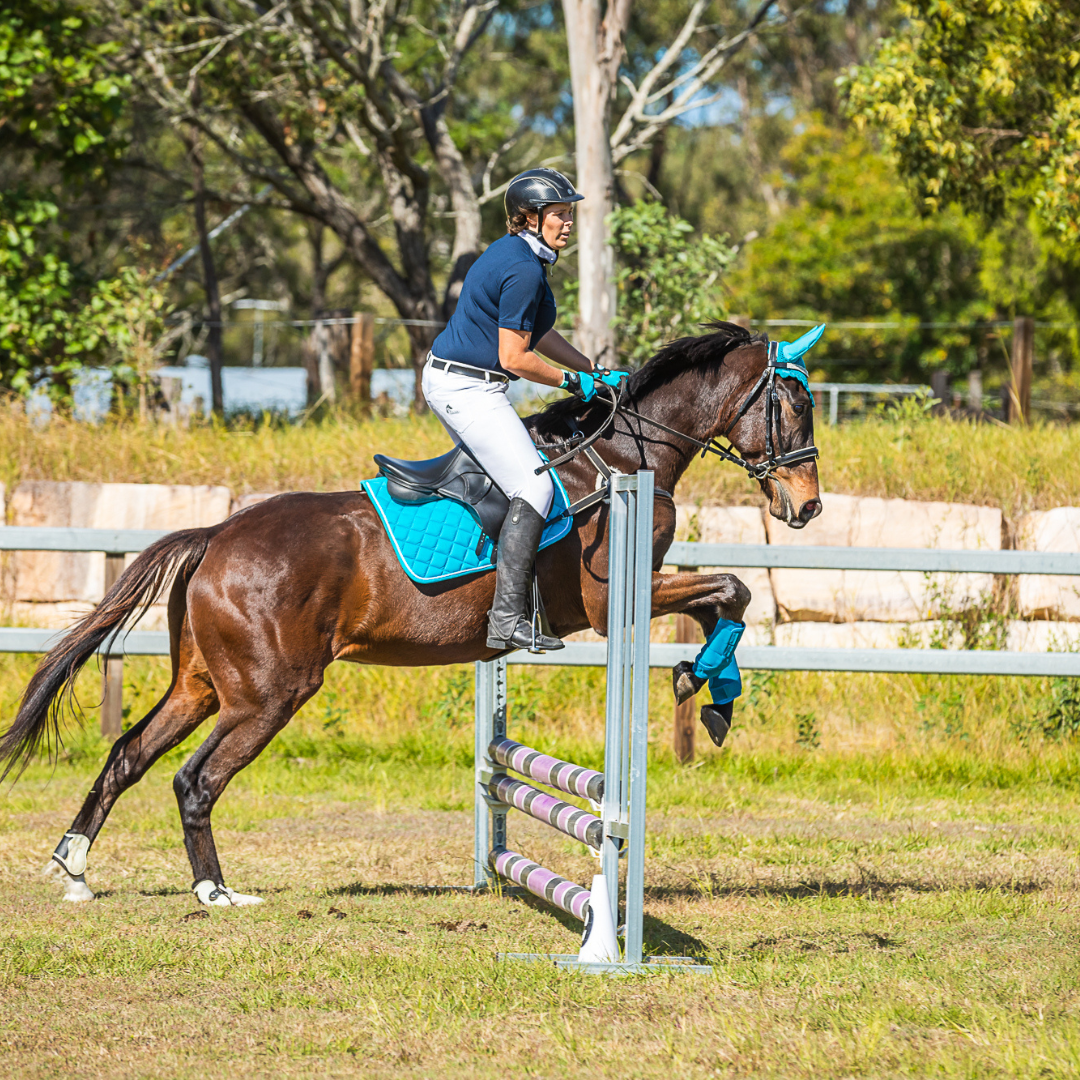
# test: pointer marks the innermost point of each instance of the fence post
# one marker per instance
(1023, 357)
(362, 356)
(834, 405)
(685, 634)
(112, 703)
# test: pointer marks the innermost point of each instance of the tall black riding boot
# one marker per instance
(508, 628)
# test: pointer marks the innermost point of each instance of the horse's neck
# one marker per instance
(638, 445)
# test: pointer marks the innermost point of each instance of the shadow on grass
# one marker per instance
(660, 938)
(870, 889)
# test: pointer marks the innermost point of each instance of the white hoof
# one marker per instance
(77, 891)
(240, 900)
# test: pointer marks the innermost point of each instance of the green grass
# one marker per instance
(905, 455)
(899, 901)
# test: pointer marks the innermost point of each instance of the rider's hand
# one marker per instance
(611, 378)
(580, 383)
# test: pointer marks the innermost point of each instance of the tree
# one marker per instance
(980, 102)
(682, 79)
(852, 245)
(666, 280)
(59, 106)
(343, 109)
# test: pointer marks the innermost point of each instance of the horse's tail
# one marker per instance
(53, 683)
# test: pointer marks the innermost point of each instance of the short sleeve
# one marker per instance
(519, 296)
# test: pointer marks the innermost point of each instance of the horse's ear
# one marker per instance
(794, 349)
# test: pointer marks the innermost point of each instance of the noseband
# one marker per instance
(767, 382)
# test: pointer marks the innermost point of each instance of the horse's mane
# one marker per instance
(698, 354)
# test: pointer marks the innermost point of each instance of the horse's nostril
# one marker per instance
(809, 509)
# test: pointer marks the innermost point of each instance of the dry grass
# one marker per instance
(899, 901)
(907, 455)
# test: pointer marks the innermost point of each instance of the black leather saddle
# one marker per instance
(456, 475)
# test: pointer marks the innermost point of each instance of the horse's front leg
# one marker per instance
(708, 598)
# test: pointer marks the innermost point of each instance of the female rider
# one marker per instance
(504, 317)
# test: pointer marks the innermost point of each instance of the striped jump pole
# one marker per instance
(579, 824)
(619, 791)
(573, 779)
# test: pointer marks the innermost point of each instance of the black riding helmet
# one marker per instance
(535, 189)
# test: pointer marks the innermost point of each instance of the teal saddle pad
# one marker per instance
(440, 540)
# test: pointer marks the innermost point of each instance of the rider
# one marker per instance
(504, 317)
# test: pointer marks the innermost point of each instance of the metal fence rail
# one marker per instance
(58, 538)
(759, 658)
(913, 661)
(835, 389)
(930, 560)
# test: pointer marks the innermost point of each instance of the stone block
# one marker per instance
(62, 615)
(1043, 636)
(1047, 596)
(62, 576)
(732, 525)
(865, 635)
(883, 596)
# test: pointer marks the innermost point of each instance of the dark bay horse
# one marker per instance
(261, 604)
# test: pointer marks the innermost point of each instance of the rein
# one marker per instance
(772, 461)
(760, 472)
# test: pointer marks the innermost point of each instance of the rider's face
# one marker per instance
(558, 221)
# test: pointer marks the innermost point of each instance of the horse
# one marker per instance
(262, 603)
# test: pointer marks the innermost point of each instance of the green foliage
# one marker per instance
(57, 97)
(667, 277)
(61, 106)
(53, 320)
(853, 246)
(1061, 719)
(980, 102)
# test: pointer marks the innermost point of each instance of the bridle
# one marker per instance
(760, 472)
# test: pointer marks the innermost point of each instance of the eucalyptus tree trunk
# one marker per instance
(595, 42)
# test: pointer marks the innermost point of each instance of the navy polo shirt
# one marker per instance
(506, 287)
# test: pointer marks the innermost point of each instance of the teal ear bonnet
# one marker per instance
(789, 357)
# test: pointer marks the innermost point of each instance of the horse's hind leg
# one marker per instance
(243, 731)
(187, 703)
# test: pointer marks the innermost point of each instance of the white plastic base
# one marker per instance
(650, 965)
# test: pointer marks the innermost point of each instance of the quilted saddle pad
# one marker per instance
(440, 540)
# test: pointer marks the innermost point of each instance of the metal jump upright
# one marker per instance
(619, 792)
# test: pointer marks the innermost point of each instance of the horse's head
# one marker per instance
(769, 420)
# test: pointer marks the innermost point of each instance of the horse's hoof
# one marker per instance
(717, 721)
(240, 900)
(684, 683)
(76, 891)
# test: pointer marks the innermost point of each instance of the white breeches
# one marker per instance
(478, 414)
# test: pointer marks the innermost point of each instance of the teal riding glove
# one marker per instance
(580, 383)
(612, 378)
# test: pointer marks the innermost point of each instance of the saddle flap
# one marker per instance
(455, 475)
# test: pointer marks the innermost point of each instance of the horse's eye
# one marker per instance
(799, 409)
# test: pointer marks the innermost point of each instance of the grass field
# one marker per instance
(881, 870)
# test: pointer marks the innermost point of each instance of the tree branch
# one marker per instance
(636, 127)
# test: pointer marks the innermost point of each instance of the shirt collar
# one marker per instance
(539, 248)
